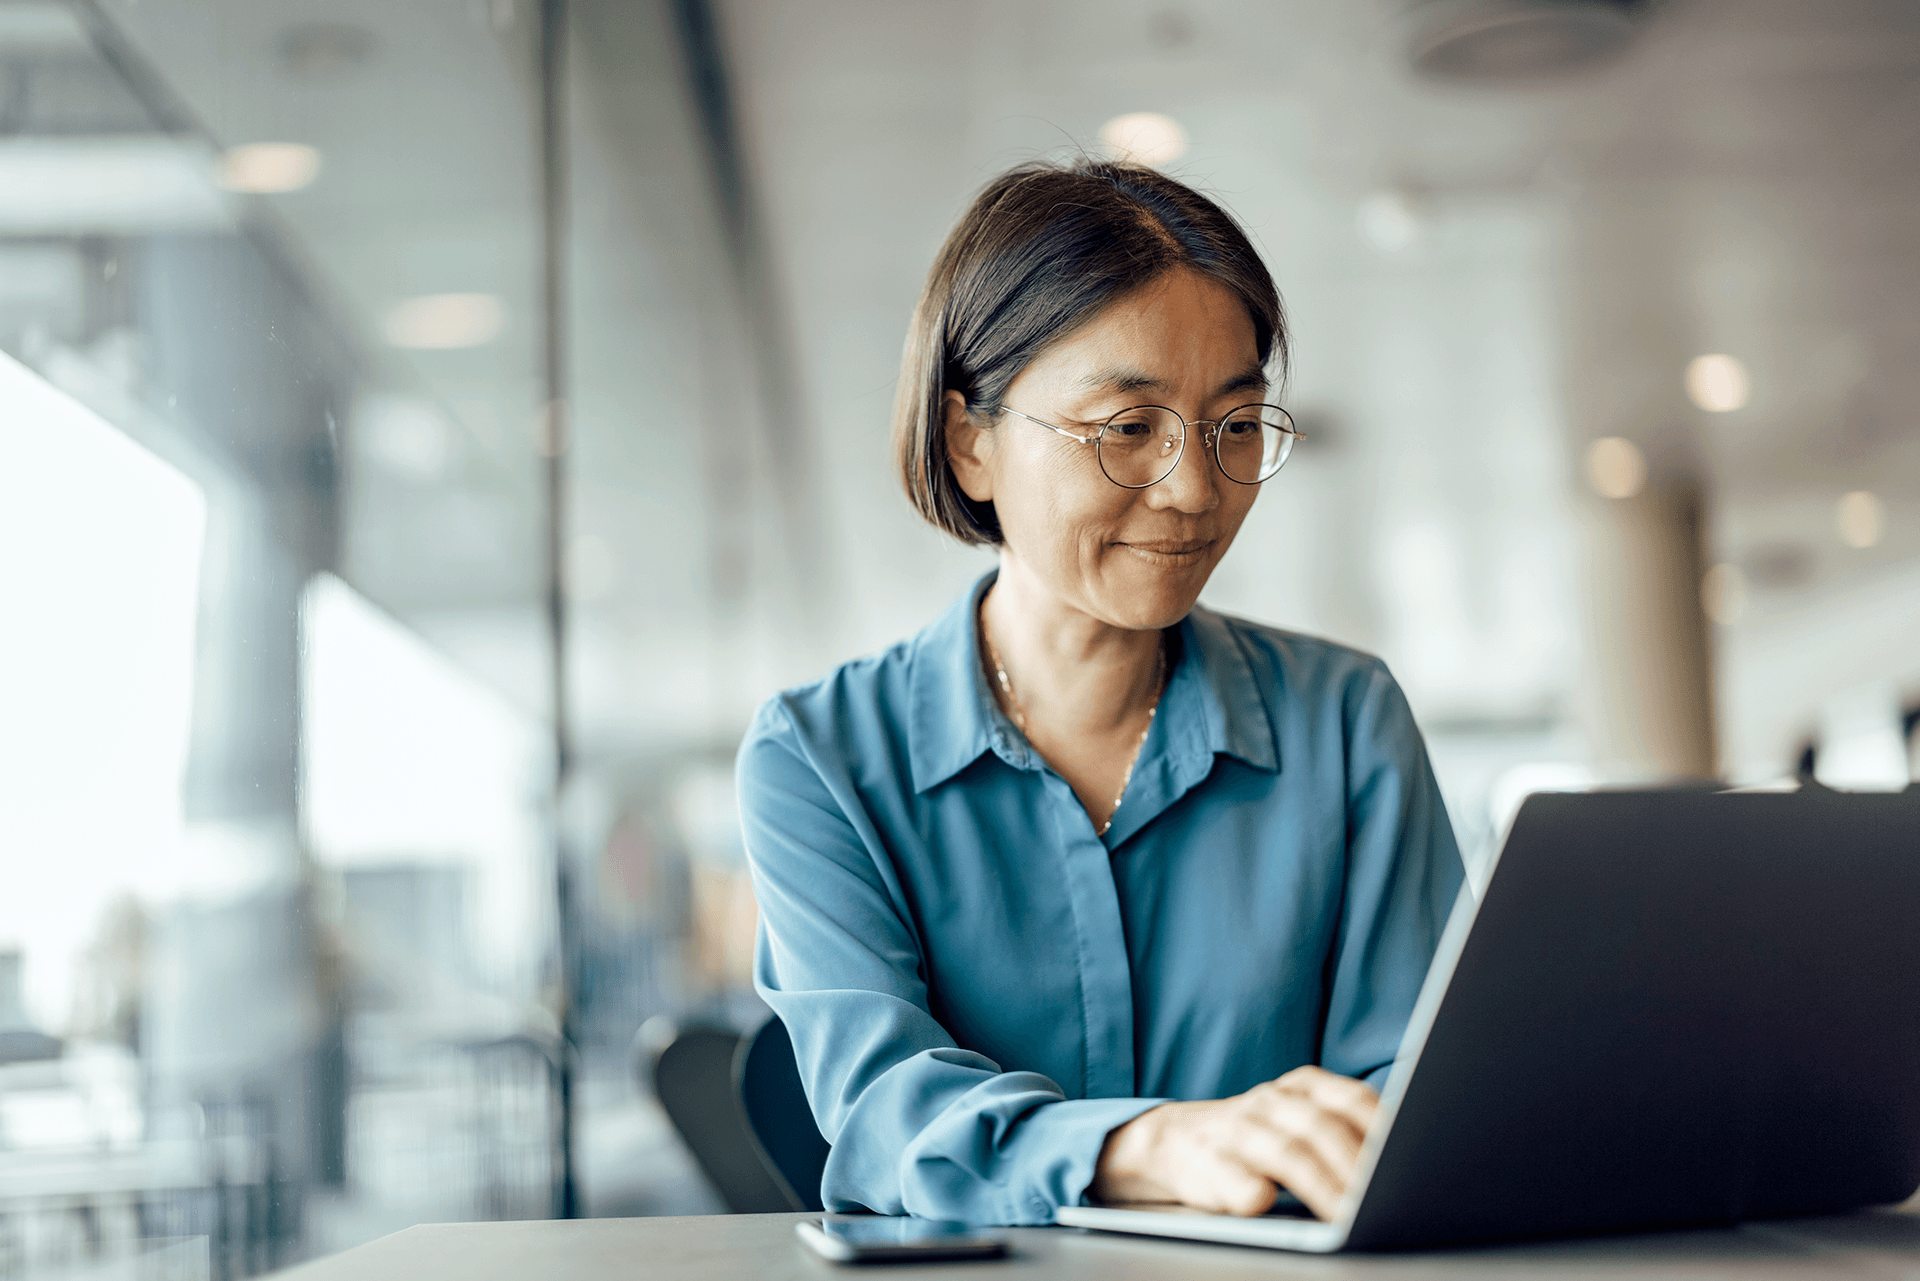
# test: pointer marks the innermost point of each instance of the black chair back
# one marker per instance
(775, 1106)
(694, 1081)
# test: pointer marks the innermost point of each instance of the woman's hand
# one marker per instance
(1301, 1132)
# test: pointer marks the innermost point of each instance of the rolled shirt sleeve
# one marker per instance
(918, 1125)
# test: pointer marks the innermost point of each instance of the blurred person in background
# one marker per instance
(1085, 892)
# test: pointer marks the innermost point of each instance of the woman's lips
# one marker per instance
(1170, 551)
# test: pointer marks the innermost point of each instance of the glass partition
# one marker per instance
(278, 958)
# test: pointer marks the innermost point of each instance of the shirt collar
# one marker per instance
(1212, 703)
(1232, 715)
(949, 713)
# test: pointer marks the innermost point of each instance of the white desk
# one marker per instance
(1876, 1244)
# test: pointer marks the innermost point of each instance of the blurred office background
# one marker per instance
(430, 429)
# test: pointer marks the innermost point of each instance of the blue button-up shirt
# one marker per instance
(980, 987)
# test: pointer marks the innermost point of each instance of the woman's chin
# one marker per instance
(1139, 603)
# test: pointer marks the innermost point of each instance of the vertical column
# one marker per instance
(1650, 711)
(240, 1017)
(552, 144)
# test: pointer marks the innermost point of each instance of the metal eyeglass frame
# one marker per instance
(1211, 439)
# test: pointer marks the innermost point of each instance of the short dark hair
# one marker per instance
(1042, 250)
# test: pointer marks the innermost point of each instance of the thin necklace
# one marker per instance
(1019, 713)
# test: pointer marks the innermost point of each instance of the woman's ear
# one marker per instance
(969, 448)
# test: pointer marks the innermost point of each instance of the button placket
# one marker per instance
(1106, 976)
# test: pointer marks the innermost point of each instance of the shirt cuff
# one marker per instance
(1075, 1130)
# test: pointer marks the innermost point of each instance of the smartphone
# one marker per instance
(885, 1239)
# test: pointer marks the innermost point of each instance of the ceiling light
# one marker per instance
(1723, 593)
(445, 322)
(1616, 467)
(106, 185)
(1861, 519)
(1144, 138)
(268, 168)
(1718, 384)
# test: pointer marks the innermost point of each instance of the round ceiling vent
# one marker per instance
(320, 51)
(1519, 39)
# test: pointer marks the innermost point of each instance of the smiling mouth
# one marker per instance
(1170, 552)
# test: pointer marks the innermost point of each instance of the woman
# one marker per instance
(1085, 892)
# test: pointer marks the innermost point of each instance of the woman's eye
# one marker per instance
(1130, 428)
(1240, 427)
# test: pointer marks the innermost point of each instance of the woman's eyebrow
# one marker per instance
(1252, 378)
(1121, 378)
(1126, 378)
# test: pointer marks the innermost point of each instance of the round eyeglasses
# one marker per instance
(1141, 446)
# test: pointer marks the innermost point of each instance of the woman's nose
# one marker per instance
(1191, 485)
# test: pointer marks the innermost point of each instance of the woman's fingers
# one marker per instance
(1336, 1093)
(1344, 1123)
(1304, 1132)
(1304, 1171)
(1341, 1095)
(1309, 1153)
(1232, 1188)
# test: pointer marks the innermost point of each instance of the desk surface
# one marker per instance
(1875, 1244)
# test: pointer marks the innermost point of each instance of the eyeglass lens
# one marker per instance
(1141, 446)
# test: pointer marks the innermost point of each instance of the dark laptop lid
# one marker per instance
(1671, 1008)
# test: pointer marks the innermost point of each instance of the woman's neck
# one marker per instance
(1072, 674)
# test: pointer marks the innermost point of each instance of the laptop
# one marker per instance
(1668, 1009)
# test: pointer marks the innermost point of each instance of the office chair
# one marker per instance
(774, 1103)
(693, 1077)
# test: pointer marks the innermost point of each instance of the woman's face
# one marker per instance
(1133, 558)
